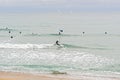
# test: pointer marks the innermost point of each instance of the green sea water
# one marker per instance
(34, 51)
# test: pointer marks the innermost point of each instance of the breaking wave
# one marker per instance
(25, 46)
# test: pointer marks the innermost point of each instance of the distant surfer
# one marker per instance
(60, 32)
(20, 32)
(11, 37)
(105, 32)
(9, 31)
(83, 32)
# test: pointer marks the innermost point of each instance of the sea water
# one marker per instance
(34, 50)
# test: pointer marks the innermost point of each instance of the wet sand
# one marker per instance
(26, 76)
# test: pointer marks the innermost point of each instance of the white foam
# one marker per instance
(57, 59)
(25, 46)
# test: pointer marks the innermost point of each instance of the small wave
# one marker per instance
(83, 47)
(6, 29)
(25, 46)
(111, 67)
(64, 35)
(71, 46)
(33, 34)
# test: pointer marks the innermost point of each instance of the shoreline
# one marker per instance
(29, 76)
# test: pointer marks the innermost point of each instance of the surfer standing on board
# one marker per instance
(57, 42)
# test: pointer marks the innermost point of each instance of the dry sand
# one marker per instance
(24, 76)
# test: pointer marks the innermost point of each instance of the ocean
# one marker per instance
(34, 50)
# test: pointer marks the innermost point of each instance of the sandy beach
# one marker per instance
(24, 76)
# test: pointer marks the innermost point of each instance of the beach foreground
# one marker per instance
(24, 76)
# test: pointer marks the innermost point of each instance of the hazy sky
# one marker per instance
(59, 5)
(97, 15)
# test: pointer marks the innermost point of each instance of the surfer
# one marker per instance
(60, 32)
(105, 32)
(11, 37)
(9, 31)
(20, 32)
(57, 43)
(83, 32)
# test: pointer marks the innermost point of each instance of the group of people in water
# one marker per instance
(57, 42)
(10, 32)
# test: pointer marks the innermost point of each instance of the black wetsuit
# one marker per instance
(57, 43)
